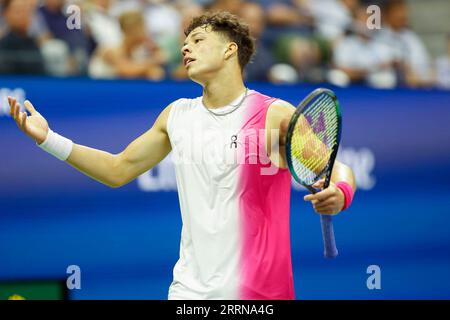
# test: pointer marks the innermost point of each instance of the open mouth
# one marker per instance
(188, 61)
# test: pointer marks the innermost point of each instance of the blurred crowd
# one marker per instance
(313, 41)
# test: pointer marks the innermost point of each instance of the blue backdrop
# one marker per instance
(126, 240)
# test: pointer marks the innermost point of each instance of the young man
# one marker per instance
(235, 238)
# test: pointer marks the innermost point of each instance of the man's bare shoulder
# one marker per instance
(280, 106)
(161, 121)
(279, 110)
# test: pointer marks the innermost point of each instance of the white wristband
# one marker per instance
(57, 145)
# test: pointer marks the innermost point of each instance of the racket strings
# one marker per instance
(314, 138)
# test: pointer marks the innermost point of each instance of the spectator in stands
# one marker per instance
(136, 57)
(76, 40)
(287, 13)
(360, 57)
(163, 22)
(298, 52)
(38, 28)
(162, 18)
(103, 26)
(2, 20)
(232, 6)
(259, 68)
(178, 69)
(284, 17)
(413, 61)
(308, 55)
(332, 18)
(54, 51)
(116, 8)
(19, 52)
(443, 68)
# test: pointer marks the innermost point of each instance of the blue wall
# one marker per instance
(126, 240)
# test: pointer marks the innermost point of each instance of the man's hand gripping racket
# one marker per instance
(312, 142)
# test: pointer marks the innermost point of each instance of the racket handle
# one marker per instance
(329, 243)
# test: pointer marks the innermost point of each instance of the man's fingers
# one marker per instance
(309, 197)
(16, 111)
(318, 196)
(12, 106)
(23, 120)
(319, 184)
(30, 107)
(11, 110)
(11, 101)
(320, 207)
(324, 202)
(20, 117)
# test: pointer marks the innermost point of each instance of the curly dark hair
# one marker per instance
(232, 27)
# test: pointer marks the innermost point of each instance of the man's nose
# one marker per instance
(185, 50)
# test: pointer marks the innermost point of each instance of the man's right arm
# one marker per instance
(139, 156)
(113, 170)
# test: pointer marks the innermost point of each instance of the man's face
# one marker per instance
(203, 53)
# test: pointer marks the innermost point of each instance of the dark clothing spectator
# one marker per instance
(57, 25)
(20, 54)
(258, 69)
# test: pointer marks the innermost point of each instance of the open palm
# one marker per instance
(34, 125)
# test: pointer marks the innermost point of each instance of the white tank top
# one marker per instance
(234, 203)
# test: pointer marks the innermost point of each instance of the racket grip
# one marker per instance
(330, 250)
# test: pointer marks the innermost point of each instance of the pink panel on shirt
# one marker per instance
(265, 262)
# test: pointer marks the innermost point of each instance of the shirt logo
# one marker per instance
(233, 141)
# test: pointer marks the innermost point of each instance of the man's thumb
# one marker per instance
(29, 107)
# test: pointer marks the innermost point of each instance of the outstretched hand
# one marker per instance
(328, 201)
(34, 125)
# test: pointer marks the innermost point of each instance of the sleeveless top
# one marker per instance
(235, 239)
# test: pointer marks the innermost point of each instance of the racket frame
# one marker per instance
(330, 248)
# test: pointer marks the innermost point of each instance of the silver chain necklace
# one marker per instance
(231, 111)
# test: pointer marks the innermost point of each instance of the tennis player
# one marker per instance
(235, 241)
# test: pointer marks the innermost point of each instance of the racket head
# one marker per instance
(320, 112)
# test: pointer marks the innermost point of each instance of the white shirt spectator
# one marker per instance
(162, 20)
(371, 56)
(407, 47)
(105, 28)
(163, 23)
(331, 16)
(119, 7)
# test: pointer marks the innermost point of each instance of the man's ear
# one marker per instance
(231, 50)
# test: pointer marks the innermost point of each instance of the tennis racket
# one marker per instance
(312, 142)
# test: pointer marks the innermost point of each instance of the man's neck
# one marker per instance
(220, 93)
